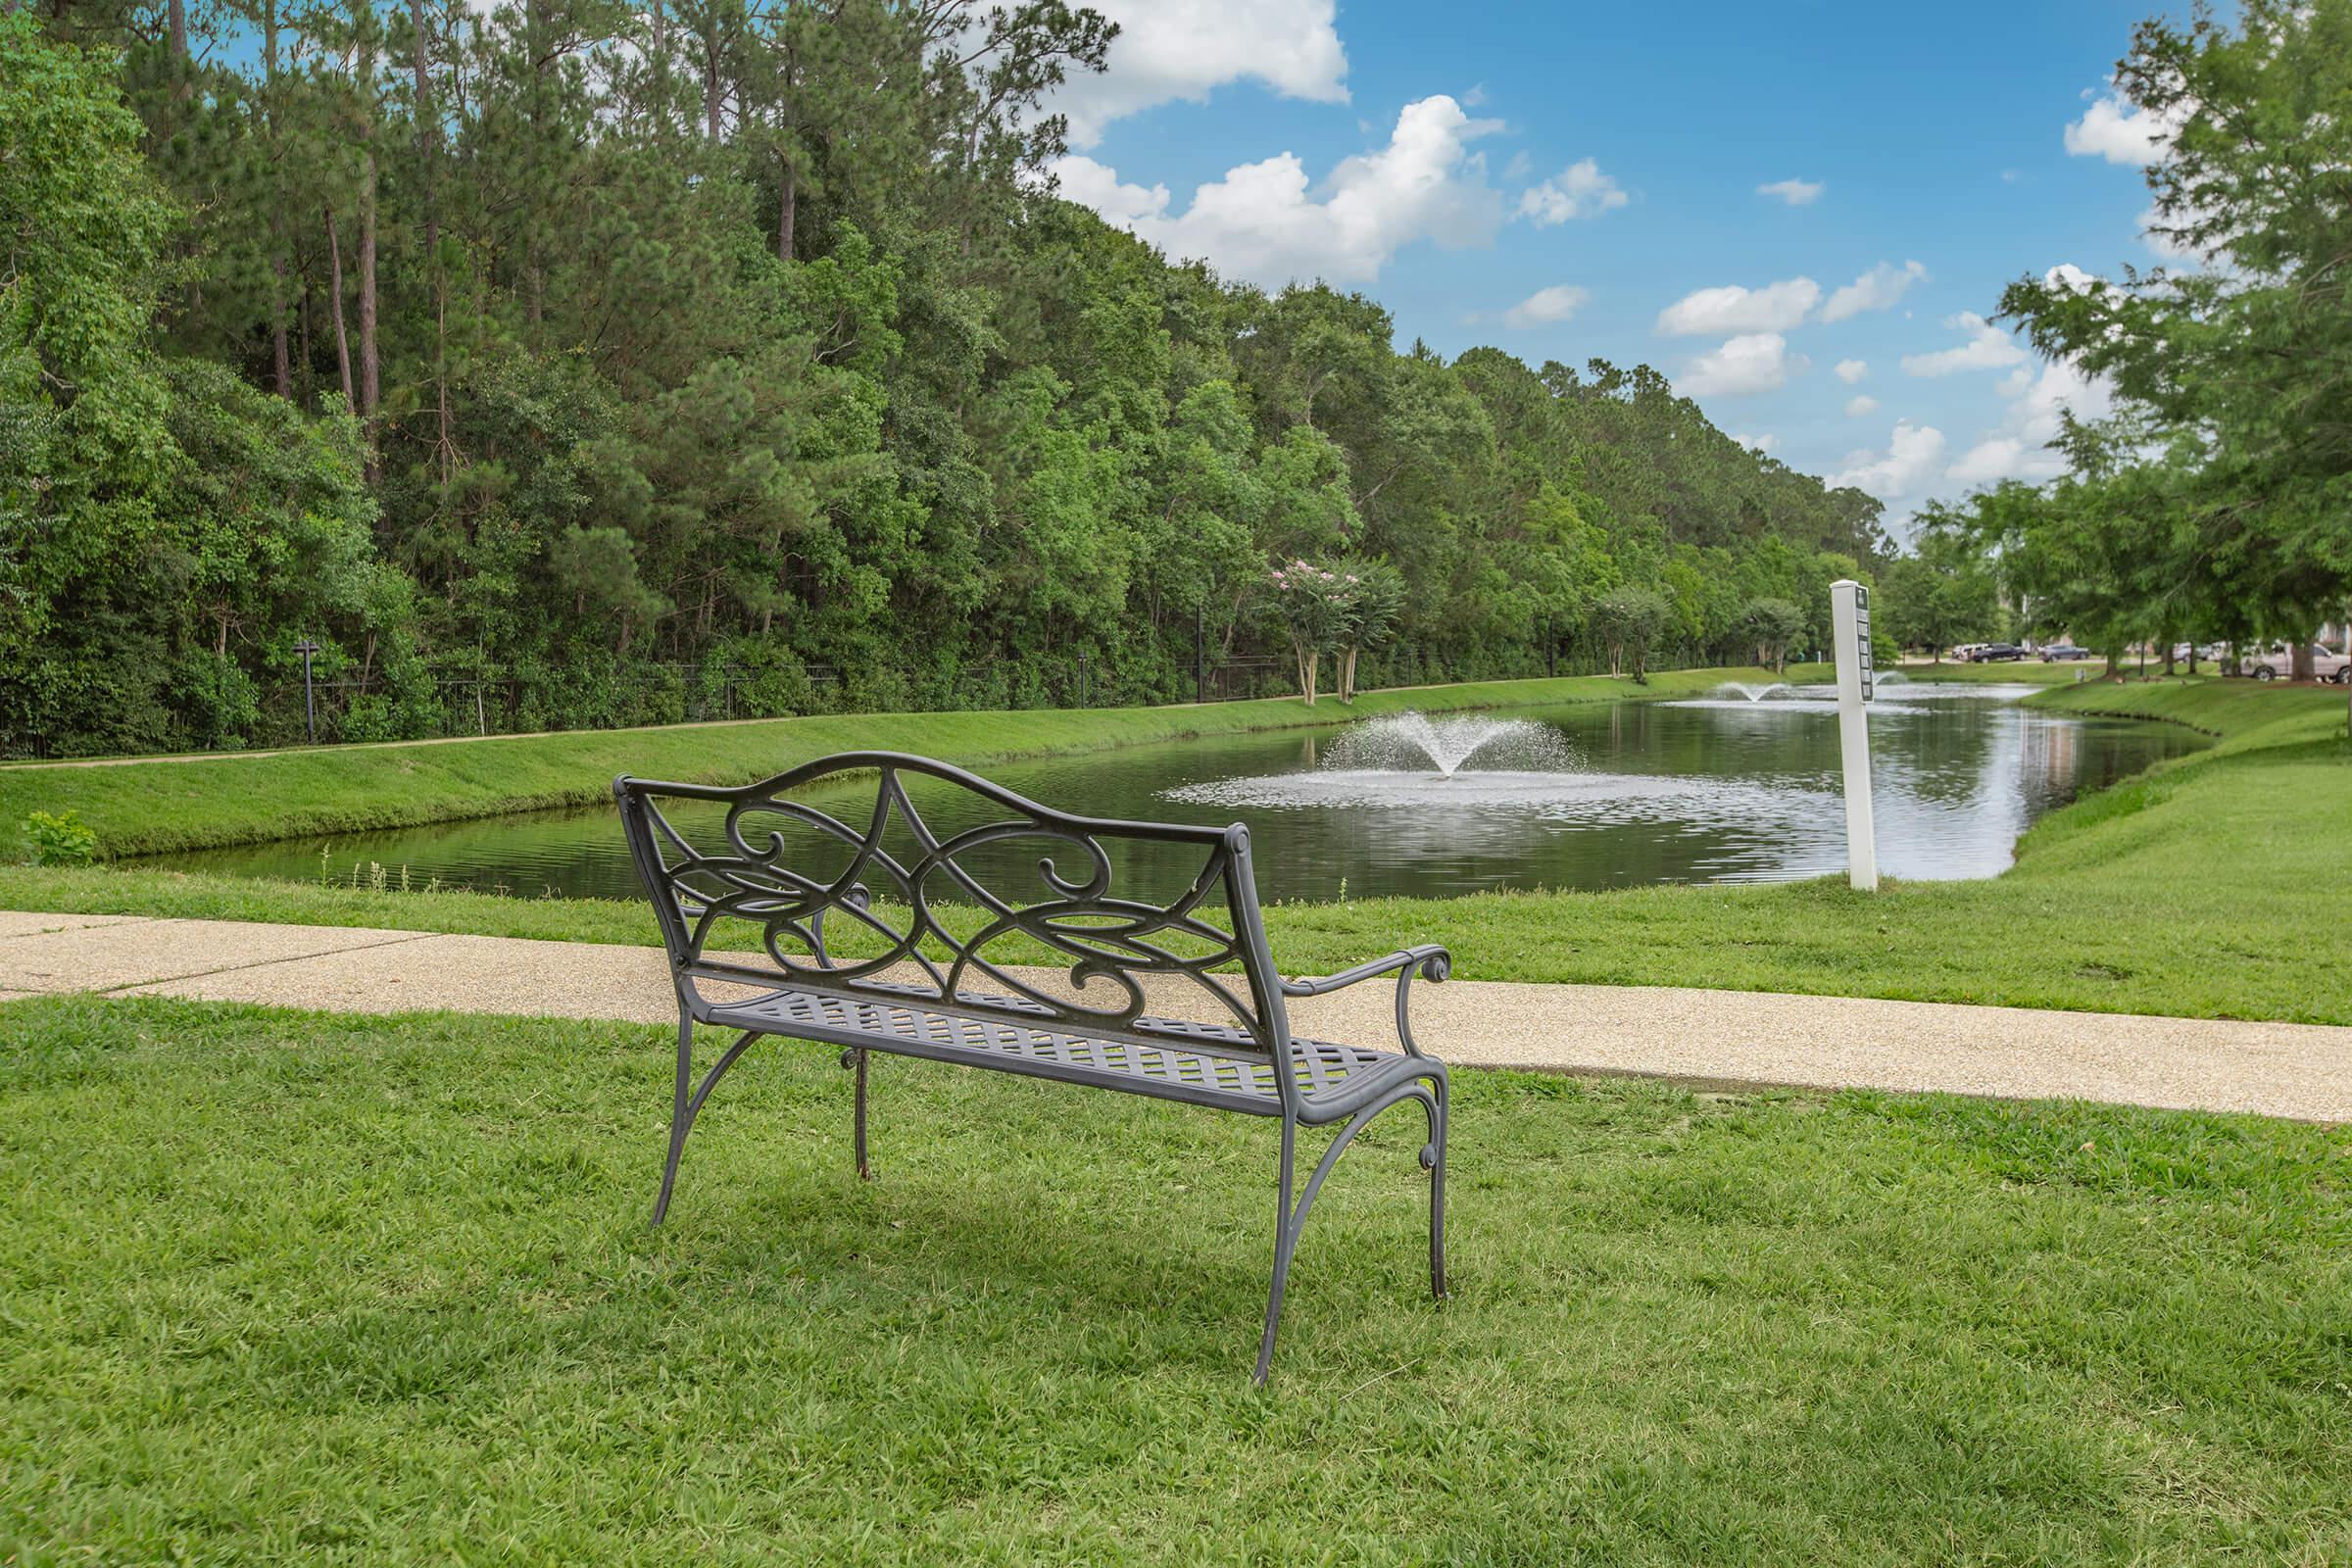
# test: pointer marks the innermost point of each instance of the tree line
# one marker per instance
(2215, 503)
(565, 341)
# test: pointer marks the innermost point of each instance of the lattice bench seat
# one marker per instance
(786, 865)
(1225, 1071)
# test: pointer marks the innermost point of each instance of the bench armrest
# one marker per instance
(1429, 960)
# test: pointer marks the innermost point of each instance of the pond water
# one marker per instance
(1731, 788)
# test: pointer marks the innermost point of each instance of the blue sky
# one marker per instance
(1575, 181)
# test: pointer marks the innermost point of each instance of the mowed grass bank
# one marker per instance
(2211, 887)
(158, 806)
(278, 1287)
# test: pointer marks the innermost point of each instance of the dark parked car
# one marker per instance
(1997, 654)
(2052, 653)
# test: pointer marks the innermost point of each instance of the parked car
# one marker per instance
(1997, 654)
(2052, 653)
(1966, 653)
(2277, 662)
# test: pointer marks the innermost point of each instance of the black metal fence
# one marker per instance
(469, 702)
(347, 709)
(477, 703)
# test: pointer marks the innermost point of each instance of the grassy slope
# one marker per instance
(2212, 887)
(276, 1286)
(2242, 715)
(159, 806)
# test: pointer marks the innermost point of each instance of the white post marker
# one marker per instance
(1849, 619)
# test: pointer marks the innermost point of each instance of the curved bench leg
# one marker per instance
(1291, 1222)
(680, 1117)
(1433, 1159)
(689, 1102)
(1286, 1241)
(855, 1058)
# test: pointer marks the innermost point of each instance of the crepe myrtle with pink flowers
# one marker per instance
(1311, 602)
(1340, 610)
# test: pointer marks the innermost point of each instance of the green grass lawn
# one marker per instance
(2212, 887)
(286, 1288)
(155, 806)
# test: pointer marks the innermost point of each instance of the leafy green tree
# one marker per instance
(1945, 593)
(630, 359)
(1772, 627)
(1315, 606)
(168, 531)
(2233, 359)
(1628, 621)
(2070, 554)
(1373, 602)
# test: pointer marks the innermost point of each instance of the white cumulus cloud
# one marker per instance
(2062, 385)
(1580, 190)
(1097, 185)
(1774, 307)
(1988, 348)
(1851, 370)
(1264, 222)
(1875, 290)
(1166, 52)
(1796, 192)
(1545, 305)
(1989, 461)
(2038, 401)
(1856, 407)
(1758, 443)
(1913, 456)
(2071, 279)
(2124, 133)
(2121, 134)
(1751, 362)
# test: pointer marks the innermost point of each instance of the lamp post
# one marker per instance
(309, 708)
(1201, 652)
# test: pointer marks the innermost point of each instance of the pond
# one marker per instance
(1739, 787)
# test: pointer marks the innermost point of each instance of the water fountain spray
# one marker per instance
(1413, 742)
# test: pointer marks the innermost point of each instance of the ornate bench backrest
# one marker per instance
(918, 907)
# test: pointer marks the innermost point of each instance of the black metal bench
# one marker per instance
(921, 983)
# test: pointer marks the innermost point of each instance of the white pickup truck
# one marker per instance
(2277, 662)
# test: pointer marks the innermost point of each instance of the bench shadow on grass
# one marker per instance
(1131, 1273)
(1037, 1230)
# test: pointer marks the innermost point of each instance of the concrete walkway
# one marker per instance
(1712, 1038)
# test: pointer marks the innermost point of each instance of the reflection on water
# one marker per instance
(1715, 790)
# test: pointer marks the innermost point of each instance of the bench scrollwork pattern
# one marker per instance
(909, 888)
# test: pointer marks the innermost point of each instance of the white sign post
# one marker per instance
(1849, 619)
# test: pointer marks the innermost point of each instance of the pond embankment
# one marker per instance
(2207, 887)
(156, 806)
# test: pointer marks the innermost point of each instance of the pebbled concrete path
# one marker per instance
(1725, 1039)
